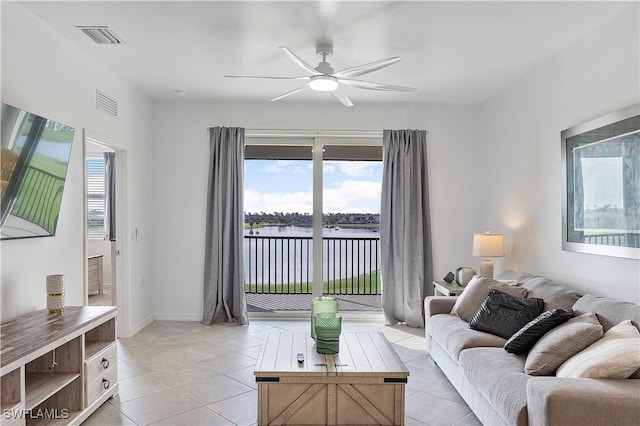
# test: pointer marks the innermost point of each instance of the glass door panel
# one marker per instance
(352, 177)
(278, 205)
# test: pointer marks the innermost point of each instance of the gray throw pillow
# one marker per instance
(476, 291)
(528, 335)
(561, 343)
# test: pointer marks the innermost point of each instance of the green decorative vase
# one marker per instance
(328, 326)
(323, 304)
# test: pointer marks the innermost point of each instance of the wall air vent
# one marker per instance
(101, 34)
(106, 104)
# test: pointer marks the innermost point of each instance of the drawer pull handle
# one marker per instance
(106, 383)
(105, 363)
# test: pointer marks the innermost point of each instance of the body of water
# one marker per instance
(284, 254)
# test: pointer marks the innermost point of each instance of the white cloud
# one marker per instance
(283, 166)
(352, 196)
(328, 168)
(285, 202)
(355, 168)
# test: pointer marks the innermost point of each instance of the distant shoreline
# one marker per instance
(306, 225)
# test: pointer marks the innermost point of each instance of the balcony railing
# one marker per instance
(285, 265)
(38, 192)
(621, 239)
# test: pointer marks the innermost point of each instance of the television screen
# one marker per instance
(35, 157)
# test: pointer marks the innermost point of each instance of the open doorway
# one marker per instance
(114, 250)
(101, 220)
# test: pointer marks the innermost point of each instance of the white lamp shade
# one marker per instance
(488, 245)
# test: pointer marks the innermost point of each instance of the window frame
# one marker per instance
(315, 139)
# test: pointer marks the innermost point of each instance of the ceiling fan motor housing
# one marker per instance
(324, 50)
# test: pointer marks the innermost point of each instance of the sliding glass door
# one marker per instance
(312, 212)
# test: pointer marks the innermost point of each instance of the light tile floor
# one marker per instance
(103, 299)
(186, 373)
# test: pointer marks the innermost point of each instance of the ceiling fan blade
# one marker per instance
(299, 61)
(289, 93)
(370, 85)
(266, 77)
(342, 97)
(366, 68)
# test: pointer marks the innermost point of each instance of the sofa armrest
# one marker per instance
(564, 401)
(434, 305)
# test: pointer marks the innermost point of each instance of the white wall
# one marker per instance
(522, 168)
(180, 167)
(45, 74)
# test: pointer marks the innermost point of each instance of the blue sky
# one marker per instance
(286, 186)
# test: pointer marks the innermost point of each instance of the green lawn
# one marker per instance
(364, 284)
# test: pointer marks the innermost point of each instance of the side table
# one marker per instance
(443, 288)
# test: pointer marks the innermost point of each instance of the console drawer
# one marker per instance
(101, 385)
(103, 361)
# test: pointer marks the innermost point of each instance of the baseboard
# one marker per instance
(141, 325)
(178, 317)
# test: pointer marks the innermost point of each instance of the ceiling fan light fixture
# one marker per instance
(323, 83)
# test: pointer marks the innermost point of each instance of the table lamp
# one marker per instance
(488, 245)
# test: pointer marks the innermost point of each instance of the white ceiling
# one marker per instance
(453, 52)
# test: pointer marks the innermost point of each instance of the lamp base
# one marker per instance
(486, 268)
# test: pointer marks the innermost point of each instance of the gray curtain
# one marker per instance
(405, 227)
(224, 297)
(110, 196)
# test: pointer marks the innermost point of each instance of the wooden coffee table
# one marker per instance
(362, 384)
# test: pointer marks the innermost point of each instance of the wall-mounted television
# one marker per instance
(35, 157)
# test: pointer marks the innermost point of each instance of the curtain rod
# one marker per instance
(297, 133)
(301, 133)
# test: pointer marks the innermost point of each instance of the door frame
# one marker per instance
(123, 292)
(316, 139)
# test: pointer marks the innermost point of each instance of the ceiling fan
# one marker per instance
(323, 78)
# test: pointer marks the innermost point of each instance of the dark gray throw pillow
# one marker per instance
(503, 315)
(527, 336)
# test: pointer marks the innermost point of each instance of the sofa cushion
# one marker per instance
(498, 376)
(503, 315)
(527, 336)
(554, 295)
(561, 343)
(615, 356)
(610, 312)
(454, 335)
(476, 291)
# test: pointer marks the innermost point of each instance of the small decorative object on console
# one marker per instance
(449, 277)
(55, 294)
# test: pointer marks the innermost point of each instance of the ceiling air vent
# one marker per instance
(101, 35)
(106, 104)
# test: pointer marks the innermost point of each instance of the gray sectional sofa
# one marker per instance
(493, 383)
